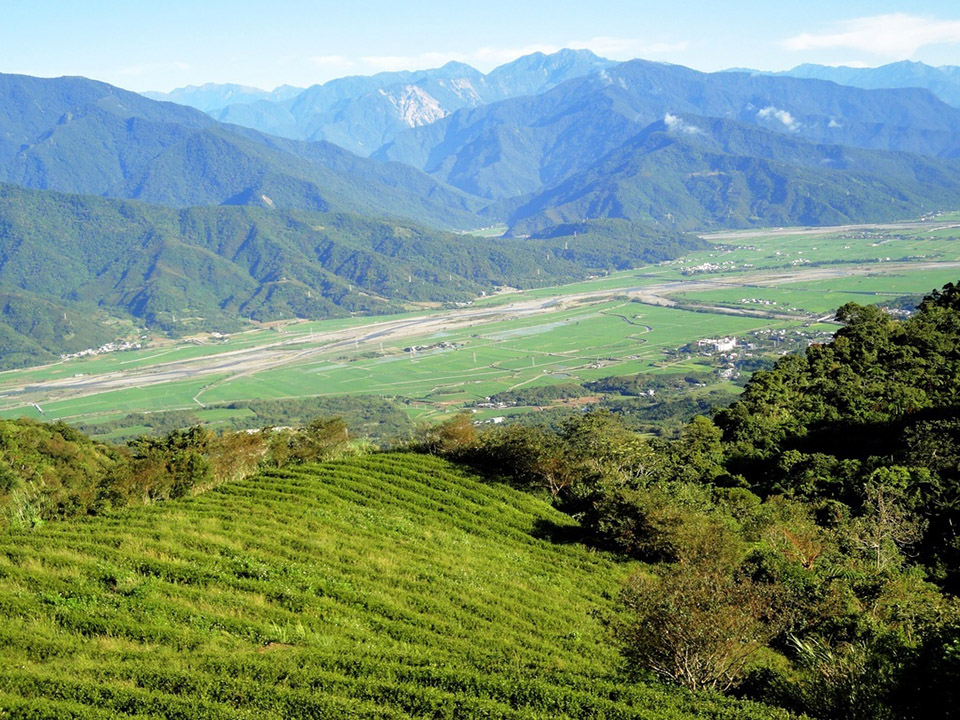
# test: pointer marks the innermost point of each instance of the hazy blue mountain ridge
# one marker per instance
(81, 136)
(943, 81)
(211, 97)
(362, 113)
(517, 145)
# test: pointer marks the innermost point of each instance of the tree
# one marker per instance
(319, 440)
(597, 446)
(697, 625)
(451, 437)
(532, 456)
(887, 526)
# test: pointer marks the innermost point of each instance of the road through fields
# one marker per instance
(289, 351)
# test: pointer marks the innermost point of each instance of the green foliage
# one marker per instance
(802, 546)
(159, 423)
(322, 439)
(378, 419)
(642, 383)
(391, 586)
(367, 416)
(868, 421)
(543, 395)
(48, 471)
(53, 472)
(161, 468)
(452, 438)
(697, 626)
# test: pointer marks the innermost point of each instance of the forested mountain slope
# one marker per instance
(81, 136)
(64, 259)
(697, 172)
(517, 146)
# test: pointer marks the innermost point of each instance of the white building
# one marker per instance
(724, 344)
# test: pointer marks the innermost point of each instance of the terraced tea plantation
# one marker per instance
(385, 586)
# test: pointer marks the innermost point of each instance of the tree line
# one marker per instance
(52, 471)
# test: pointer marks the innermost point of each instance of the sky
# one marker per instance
(162, 44)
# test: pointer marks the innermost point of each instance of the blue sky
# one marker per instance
(159, 45)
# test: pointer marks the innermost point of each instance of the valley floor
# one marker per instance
(782, 280)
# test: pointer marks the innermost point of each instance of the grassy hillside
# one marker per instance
(388, 586)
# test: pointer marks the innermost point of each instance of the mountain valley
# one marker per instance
(527, 384)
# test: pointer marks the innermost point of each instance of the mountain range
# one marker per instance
(943, 81)
(595, 146)
(81, 136)
(693, 172)
(114, 206)
(213, 97)
(362, 113)
(521, 145)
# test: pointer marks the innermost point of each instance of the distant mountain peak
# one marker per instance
(455, 66)
(943, 81)
(364, 113)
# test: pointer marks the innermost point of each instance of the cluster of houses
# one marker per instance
(436, 346)
(709, 267)
(725, 347)
(107, 348)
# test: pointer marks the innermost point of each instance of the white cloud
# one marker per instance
(489, 57)
(783, 116)
(676, 124)
(137, 70)
(626, 48)
(605, 45)
(330, 61)
(663, 48)
(892, 35)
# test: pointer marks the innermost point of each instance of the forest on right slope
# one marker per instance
(802, 546)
